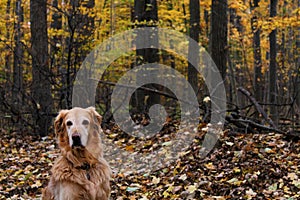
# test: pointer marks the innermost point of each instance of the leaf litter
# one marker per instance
(241, 166)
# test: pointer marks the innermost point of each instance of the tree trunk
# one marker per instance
(85, 28)
(41, 88)
(81, 28)
(258, 87)
(56, 62)
(193, 54)
(273, 68)
(235, 22)
(17, 89)
(67, 74)
(146, 10)
(298, 63)
(206, 19)
(56, 24)
(218, 40)
(7, 49)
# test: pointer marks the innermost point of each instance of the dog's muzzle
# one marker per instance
(76, 139)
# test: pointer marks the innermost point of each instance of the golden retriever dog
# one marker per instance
(80, 172)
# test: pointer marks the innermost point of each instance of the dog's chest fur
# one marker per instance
(83, 172)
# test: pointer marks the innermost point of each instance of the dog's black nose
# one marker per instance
(76, 140)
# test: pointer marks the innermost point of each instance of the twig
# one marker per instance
(149, 90)
(257, 106)
(254, 124)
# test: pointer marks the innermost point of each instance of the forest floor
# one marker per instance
(241, 166)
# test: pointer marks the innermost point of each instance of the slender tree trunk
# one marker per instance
(17, 89)
(85, 28)
(234, 21)
(298, 62)
(185, 17)
(41, 88)
(56, 62)
(139, 6)
(282, 59)
(258, 87)
(67, 75)
(8, 54)
(56, 24)
(206, 19)
(193, 54)
(81, 28)
(146, 10)
(218, 40)
(273, 67)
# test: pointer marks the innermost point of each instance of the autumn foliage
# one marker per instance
(255, 43)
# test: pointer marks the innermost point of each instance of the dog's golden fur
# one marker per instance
(81, 171)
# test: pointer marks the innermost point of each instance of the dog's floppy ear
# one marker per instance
(97, 117)
(58, 123)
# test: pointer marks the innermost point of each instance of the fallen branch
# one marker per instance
(257, 106)
(251, 124)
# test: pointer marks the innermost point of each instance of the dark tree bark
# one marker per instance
(81, 28)
(235, 21)
(218, 40)
(258, 87)
(85, 26)
(298, 63)
(184, 14)
(146, 10)
(41, 88)
(194, 50)
(273, 67)
(56, 63)
(17, 89)
(56, 24)
(55, 42)
(7, 49)
(206, 19)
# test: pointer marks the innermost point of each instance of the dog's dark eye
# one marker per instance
(69, 123)
(85, 122)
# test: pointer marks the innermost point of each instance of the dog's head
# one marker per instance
(76, 127)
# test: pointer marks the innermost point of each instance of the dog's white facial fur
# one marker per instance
(78, 125)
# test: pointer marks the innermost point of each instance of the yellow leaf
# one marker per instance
(129, 148)
(183, 177)
(236, 170)
(191, 188)
(166, 194)
(36, 184)
(210, 166)
(18, 172)
(292, 176)
(155, 180)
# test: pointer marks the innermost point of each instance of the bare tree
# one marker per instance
(7, 48)
(41, 88)
(80, 28)
(273, 67)
(56, 64)
(146, 10)
(18, 57)
(218, 39)
(258, 89)
(298, 61)
(194, 50)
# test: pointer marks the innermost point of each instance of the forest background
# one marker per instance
(254, 43)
